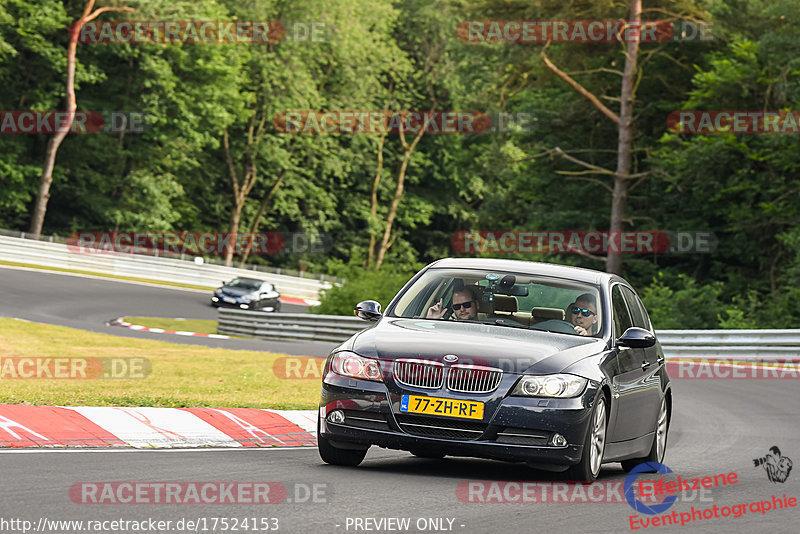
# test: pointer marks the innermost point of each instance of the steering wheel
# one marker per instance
(555, 325)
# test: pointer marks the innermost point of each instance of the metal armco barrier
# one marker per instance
(730, 344)
(161, 269)
(288, 326)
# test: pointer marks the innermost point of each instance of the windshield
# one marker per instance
(505, 299)
(245, 283)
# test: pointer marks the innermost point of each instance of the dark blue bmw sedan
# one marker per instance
(555, 366)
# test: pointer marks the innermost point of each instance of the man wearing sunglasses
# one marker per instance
(583, 314)
(465, 306)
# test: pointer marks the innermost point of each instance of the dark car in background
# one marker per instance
(247, 294)
(523, 379)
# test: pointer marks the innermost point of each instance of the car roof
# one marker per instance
(579, 274)
(249, 279)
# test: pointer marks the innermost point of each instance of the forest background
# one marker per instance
(211, 158)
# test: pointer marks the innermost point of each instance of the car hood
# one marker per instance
(235, 291)
(515, 350)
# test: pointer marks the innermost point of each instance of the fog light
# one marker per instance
(215, 299)
(336, 416)
(558, 440)
(243, 306)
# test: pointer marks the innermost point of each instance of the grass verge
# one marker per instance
(104, 275)
(182, 375)
(201, 326)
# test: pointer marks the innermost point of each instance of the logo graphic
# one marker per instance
(450, 358)
(777, 467)
(630, 482)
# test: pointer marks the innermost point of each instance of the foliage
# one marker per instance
(361, 284)
(382, 54)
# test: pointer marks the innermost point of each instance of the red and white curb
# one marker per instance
(299, 301)
(59, 426)
(119, 322)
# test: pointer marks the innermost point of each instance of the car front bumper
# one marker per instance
(517, 429)
(218, 302)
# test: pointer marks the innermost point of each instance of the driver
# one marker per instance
(583, 314)
(465, 305)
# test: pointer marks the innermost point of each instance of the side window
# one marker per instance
(622, 319)
(644, 314)
(635, 308)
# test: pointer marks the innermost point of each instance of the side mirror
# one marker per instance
(369, 310)
(636, 338)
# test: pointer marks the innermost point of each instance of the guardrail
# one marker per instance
(730, 344)
(47, 254)
(291, 326)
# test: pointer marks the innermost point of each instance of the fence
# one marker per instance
(739, 344)
(54, 254)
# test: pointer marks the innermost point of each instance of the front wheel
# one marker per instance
(335, 456)
(593, 447)
(659, 447)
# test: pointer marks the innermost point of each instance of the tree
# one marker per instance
(40, 207)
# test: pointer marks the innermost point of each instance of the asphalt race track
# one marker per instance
(718, 427)
(87, 303)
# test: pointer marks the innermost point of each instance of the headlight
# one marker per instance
(560, 386)
(218, 291)
(352, 365)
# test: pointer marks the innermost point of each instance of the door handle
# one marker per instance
(646, 364)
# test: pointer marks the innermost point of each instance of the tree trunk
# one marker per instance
(46, 180)
(386, 241)
(240, 192)
(257, 219)
(619, 196)
(373, 205)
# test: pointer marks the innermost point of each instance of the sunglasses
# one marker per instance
(586, 313)
(467, 305)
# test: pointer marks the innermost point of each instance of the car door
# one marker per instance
(639, 316)
(635, 384)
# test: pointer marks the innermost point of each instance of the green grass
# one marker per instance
(201, 326)
(182, 375)
(104, 275)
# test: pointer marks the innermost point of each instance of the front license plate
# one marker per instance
(229, 299)
(443, 407)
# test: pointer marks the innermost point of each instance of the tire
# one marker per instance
(659, 447)
(428, 454)
(335, 456)
(594, 445)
